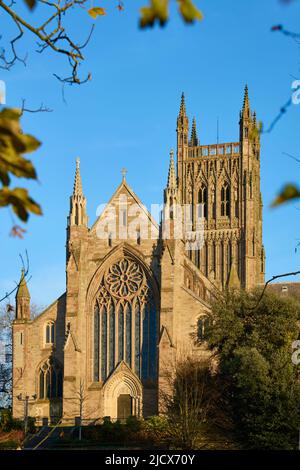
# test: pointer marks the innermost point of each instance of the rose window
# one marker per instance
(124, 278)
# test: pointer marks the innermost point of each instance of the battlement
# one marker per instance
(229, 149)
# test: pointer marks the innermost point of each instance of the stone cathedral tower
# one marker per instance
(225, 179)
(134, 298)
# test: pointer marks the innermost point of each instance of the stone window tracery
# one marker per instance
(127, 322)
(50, 380)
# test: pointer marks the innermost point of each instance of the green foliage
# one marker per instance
(7, 422)
(9, 445)
(133, 424)
(155, 432)
(288, 193)
(108, 432)
(13, 144)
(254, 346)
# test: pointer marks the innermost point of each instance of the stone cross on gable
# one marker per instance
(124, 172)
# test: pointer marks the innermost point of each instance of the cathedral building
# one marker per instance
(136, 291)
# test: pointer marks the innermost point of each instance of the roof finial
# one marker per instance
(124, 172)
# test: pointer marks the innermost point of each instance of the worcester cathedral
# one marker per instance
(133, 301)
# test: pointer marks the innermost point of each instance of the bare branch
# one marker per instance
(41, 109)
(25, 265)
(50, 34)
(278, 276)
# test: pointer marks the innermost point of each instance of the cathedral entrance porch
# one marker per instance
(122, 394)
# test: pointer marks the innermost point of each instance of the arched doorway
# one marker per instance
(124, 406)
(122, 394)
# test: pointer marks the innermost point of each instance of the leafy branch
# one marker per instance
(13, 145)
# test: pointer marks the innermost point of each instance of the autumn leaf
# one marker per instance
(20, 201)
(288, 193)
(96, 11)
(189, 11)
(158, 10)
(13, 143)
(120, 6)
(17, 231)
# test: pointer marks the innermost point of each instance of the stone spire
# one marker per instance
(78, 214)
(171, 192)
(172, 175)
(77, 182)
(22, 299)
(246, 99)
(194, 142)
(182, 110)
(245, 117)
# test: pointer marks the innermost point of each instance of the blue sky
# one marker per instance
(126, 116)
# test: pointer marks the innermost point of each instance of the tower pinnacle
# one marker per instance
(182, 111)
(23, 291)
(246, 105)
(194, 139)
(77, 182)
(171, 175)
(77, 201)
(22, 299)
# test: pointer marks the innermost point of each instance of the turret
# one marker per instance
(251, 204)
(171, 191)
(22, 299)
(182, 145)
(78, 214)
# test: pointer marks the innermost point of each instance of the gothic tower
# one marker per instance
(221, 183)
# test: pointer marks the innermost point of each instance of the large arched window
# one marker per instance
(50, 380)
(125, 322)
(225, 201)
(202, 201)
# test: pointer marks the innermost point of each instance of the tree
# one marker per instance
(254, 353)
(194, 405)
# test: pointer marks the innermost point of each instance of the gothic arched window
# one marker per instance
(49, 332)
(50, 380)
(203, 328)
(125, 324)
(225, 201)
(202, 201)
